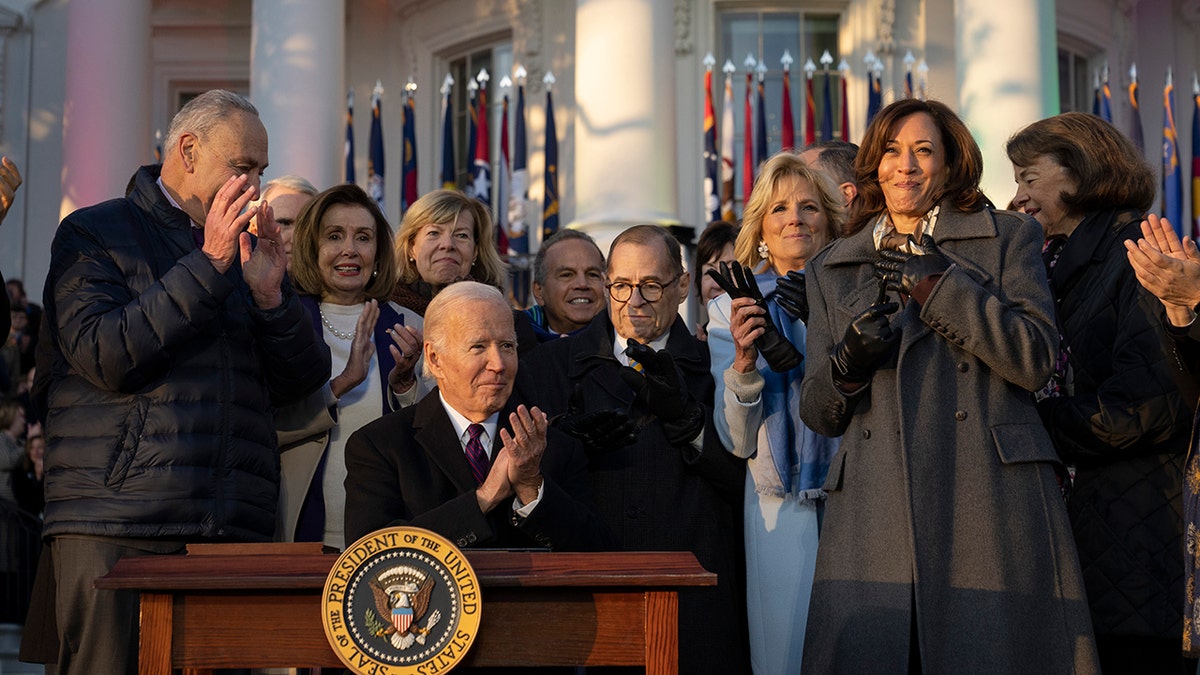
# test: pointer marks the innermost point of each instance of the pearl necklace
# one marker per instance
(335, 331)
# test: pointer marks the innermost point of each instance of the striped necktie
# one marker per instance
(636, 366)
(476, 455)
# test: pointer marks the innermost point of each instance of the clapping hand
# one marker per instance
(226, 220)
(902, 271)
(599, 431)
(791, 295)
(661, 388)
(867, 343)
(1167, 267)
(525, 444)
(738, 281)
(264, 264)
(362, 350)
(10, 180)
(406, 352)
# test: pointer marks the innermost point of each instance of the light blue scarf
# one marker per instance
(800, 455)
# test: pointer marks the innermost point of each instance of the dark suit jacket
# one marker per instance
(408, 468)
(655, 496)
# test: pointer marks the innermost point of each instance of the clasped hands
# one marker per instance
(517, 467)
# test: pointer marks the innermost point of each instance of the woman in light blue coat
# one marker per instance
(793, 211)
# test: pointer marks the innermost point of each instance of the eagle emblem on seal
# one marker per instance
(401, 602)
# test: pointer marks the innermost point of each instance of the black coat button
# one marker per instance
(866, 433)
(963, 366)
(960, 415)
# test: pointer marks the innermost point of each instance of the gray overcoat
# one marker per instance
(943, 507)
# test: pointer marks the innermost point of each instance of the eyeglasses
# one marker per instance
(651, 290)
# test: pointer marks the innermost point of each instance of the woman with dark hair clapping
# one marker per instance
(945, 546)
(1112, 407)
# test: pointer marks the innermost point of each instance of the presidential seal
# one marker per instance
(401, 600)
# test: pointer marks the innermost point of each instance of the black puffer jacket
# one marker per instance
(1125, 426)
(161, 379)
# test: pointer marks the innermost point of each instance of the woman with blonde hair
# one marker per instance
(793, 212)
(445, 236)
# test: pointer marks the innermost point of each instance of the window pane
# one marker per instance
(766, 35)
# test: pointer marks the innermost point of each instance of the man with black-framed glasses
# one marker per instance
(634, 386)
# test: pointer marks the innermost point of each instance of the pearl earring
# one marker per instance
(763, 251)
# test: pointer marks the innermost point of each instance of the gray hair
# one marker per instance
(290, 182)
(539, 260)
(448, 303)
(201, 114)
(648, 235)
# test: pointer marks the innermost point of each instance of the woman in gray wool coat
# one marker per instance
(945, 546)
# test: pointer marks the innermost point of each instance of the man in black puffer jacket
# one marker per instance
(173, 336)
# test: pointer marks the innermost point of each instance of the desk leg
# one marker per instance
(662, 633)
(154, 648)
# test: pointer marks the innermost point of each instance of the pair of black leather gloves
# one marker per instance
(738, 281)
(659, 387)
(870, 338)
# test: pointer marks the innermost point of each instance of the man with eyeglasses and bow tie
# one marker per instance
(634, 387)
(467, 461)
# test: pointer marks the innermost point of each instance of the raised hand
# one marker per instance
(902, 271)
(226, 220)
(600, 430)
(362, 350)
(406, 352)
(264, 265)
(526, 444)
(738, 282)
(10, 180)
(747, 319)
(791, 295)
(1167, 267)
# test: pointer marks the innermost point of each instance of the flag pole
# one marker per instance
(788, 139)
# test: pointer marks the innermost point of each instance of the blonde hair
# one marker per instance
(779, 168)
(444, 206)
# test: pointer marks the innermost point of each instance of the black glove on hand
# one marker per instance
(866, 345)
(599, 431)
(903, 271)
(661, 388)
(780, 355)
(790, 294)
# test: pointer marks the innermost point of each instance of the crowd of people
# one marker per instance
(911, 432)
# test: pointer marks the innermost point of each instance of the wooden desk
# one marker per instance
(250, 610)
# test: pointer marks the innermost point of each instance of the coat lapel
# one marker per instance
(434, 433)
(592, 349)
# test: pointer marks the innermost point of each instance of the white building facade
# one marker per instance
(87, 83)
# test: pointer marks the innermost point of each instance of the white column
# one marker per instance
(297, 72)
(106, 114)
(1007, 77)
(625, 168)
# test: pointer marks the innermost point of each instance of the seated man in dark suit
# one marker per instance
(673, 487)
(446, 463)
